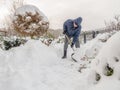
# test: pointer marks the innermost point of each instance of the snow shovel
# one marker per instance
(72, 48)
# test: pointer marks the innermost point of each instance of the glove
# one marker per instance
(64, 32)
(72, 45)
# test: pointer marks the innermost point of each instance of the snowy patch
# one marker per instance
(91, 49)
(35, 66)
(107, 64)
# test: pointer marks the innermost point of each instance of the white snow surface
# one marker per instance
(108, 55)
(91, 49)
(35, 66)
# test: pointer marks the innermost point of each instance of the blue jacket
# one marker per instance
(69, 29)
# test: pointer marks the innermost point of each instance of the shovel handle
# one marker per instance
(69, 41)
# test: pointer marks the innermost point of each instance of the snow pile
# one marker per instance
(91, 49)
(21, 67)
(107, 66)
(35, 66)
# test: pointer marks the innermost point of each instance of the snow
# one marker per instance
(30, 8)
(109, 54)
(35, 66)
(91, 49)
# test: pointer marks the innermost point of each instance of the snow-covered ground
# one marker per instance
(35, 66)
(109, 56)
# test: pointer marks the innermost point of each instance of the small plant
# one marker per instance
(15, 43)
(60, 40)
(7, 45)
(116, 59)
(98, 77)
(108, 70)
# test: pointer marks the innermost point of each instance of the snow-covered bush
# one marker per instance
(108, 71)
(28, 20)
(8, 18)
(104, 37)
(115, 24)
(98, 77)
(8, 44)
(92, 48)
(46, 41)
(94, 77)
(107, 63)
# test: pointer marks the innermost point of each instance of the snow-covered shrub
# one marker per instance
(28, 20)
(107, 61)
(108, 71)
(104, 37)
(47, 41)
(7, 44)
(115, 24)
(92, 48)
(98, 77)
(93, 77)
(8, 18)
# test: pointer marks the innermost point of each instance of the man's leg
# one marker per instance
(65, 48)
(77, 44)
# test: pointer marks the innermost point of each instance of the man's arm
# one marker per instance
(64, 28)
(76, 36)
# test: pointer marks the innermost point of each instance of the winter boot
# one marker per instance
(65, 54)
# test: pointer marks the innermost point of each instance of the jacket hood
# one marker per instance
(78, 20)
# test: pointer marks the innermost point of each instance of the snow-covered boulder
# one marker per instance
(29, 20)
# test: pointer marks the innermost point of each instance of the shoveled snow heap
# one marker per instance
(34, 66)
(91, 49)
(107, 65)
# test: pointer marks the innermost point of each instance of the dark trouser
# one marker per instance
(66, 42)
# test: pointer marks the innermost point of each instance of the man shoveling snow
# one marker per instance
(71, 29)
